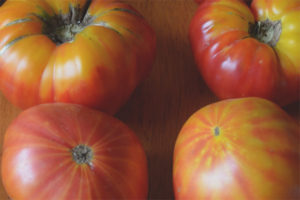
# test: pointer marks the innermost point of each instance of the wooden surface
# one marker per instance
(162, 103)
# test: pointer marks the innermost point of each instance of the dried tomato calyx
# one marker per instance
(82, 154)
(266, 31)
(62, 28)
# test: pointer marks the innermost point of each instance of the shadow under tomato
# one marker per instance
(293, 110)
(2, 2)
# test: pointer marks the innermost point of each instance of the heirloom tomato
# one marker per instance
(243, 52)
(245, 148)
(64, 151)
(90, 52)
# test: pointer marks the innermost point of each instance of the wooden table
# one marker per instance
(161, 104)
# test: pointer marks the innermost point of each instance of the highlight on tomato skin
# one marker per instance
(243, 51)
(246, 148)
(66, 152)
(88, 52)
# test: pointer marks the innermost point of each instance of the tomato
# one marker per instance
(86, 52)
(241, 52)
(66, 151)
(245, 148)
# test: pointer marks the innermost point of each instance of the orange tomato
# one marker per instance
(244, 148)
(79, 51)
(69, 152)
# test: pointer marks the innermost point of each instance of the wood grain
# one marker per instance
(162, 103)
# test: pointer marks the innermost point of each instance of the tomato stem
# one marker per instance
(266, 31)
(82, 154)
(62, 28)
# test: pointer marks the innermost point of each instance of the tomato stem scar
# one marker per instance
(82, 154)
(217, 131)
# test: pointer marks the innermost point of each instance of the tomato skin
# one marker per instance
(37, 160)
(245, 148)
(233, 63)
(100, 68)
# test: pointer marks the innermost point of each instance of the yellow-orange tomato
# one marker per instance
(64, 151)
(90, 52)
(243, 52)
(239, 149)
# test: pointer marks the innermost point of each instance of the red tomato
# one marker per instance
(79, 51)
(69, 152)
(242, 52)
(244, 148)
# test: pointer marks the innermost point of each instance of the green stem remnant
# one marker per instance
(82, 154)
(62, 28)
(266, 31)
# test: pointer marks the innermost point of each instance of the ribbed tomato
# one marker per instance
(242, 52)
(68, 152)
(239, 149)
(90, 52)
